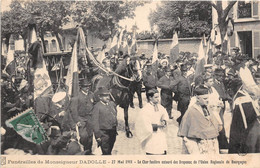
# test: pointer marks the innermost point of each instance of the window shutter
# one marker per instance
(255, 8)
(256, 43)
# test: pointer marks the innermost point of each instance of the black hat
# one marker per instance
(257, 74)
(85, 82)
(201, 90)
(231, 72)
(219, 71)
(167, 69)
(184, 67)
(142, 56)
(149, 64)
(103, 91)
(120, 59)
(126, 56)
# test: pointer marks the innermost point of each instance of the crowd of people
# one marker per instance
(202, 99)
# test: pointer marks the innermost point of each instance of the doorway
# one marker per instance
(245, 39)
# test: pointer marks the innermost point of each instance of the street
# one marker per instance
(131, 146)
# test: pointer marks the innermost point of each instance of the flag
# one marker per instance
(101, 55)
(124, 46)
(204, 40)
(133, 47)
(120, 39)
(218, 36)
(212, 40)
(209, 58)
(199, 69)
(10, 61)
(174, 51)
(122, 42)
(226, 47)
(155, 52)
(41, 81)
(114, 45)
(72, 79)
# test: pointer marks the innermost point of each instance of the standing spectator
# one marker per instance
(219, 86)
(105, 122)
(214, 103)
(149, 80)
(166, 93)
(161, 69)
(182, 88)
(150, 126)
(136, 86)
(208, 69)
(85, 107)
(199, 128)
(142, 60)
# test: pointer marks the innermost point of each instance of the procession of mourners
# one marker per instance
(75, 108)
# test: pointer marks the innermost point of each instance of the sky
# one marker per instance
(141, 18)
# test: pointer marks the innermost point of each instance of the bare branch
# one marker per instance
(230, 5)
(213, 5)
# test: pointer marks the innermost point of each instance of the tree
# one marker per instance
(222, 17)
(15, 21)
(50, 16)
(102, 17)
(190, 18)
(144, 35)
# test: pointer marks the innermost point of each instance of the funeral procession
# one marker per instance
(130, 77)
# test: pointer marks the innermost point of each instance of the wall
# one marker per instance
(185, 45)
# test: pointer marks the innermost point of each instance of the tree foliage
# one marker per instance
(102, 17)
(14, 21)
(50, 16)
(195, 18)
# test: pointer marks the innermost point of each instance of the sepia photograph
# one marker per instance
(130, 83)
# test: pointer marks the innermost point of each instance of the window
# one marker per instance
(53, 47)
(244, 9)
(11, 43)
(46, 43)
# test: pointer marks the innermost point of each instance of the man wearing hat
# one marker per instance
(142, 60)
(166, 92)
(85, 107)
(208, 69)
(199, 128)
(219, 86)
(182, 87)
(149, 79)
(61, 110)
(105, 121)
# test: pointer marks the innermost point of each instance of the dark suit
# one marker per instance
(166, 93)
(105, 122)
(182, 89)
(85, 107)
(219, 86)
(149, 80)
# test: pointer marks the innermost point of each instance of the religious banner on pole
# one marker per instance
(114, 45)
(41, 82)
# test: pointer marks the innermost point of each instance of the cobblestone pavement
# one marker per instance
(131, 146)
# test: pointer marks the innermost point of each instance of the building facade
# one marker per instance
(246, 36)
